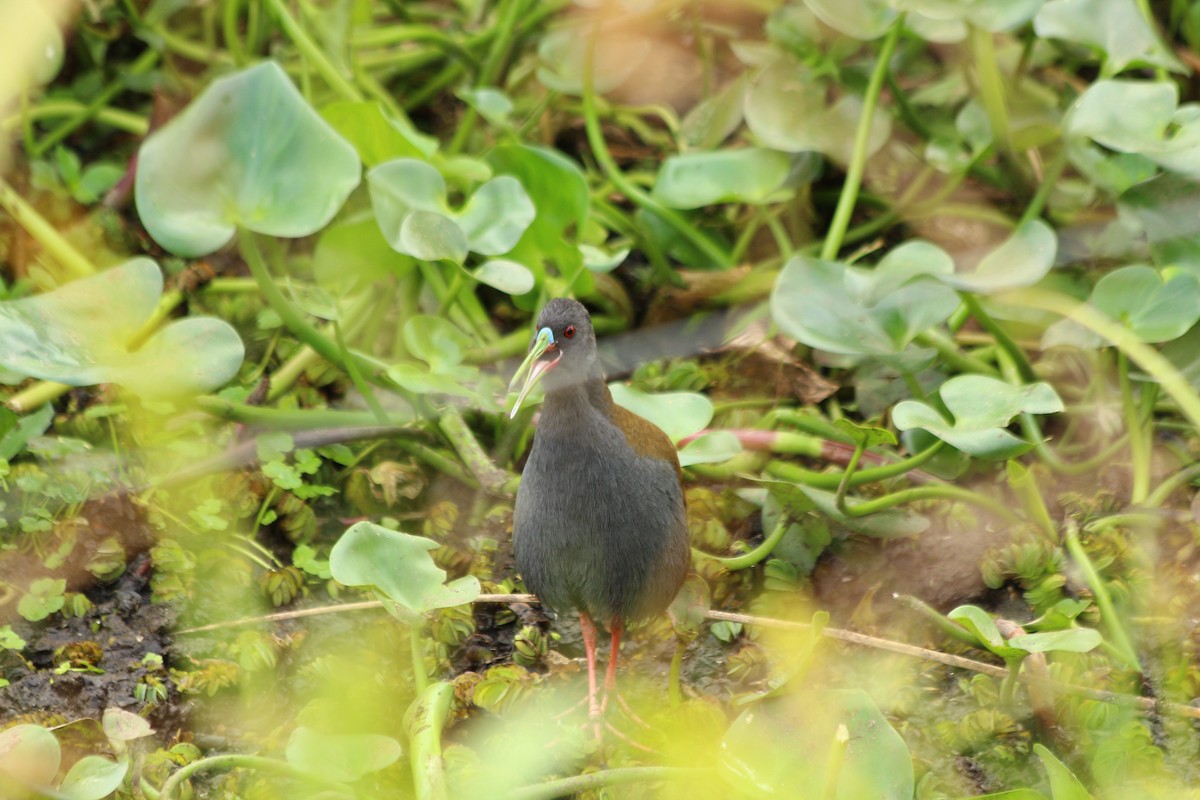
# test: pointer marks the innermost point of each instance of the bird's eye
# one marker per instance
(569, 331)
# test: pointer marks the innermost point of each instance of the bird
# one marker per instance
(599, 522)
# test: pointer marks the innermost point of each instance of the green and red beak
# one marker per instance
(535, 365)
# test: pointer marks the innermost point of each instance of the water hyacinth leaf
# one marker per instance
(983, 628)
(876, 762)
(856, 311)
(1141, 117)
(399, 566)
(123, 726)
(376, 133)
(1071, 640)
(409, 198)
(1063, 783)
(748, 175)
(711, 448)
(491, 103)
(435, 340)
(1158, 307)
(15, 432)
(597, 260)
(715, 118)
(354, 252)
(93, 778)
(786, 109)
(1022, 259)
(30, 753)
(79, 334)
(1168, 210)
(990, 15)
(1184, 354)
(679, 414)
(249, 152)
(981, 408)
(1114, 27)
(341, 757)
(505, 275)
(862, 19)
(865, 435)
(496, 216)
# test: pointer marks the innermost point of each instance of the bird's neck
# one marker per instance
(571, 399)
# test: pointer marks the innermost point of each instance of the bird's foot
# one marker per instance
(627, 740)
(629, 713)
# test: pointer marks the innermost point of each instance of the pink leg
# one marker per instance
(589, 645)
(616, 628)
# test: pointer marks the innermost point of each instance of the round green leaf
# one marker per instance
(855, 311)
(981, 408)
(1022, 259)
(507, 276)
(1156, 309)
(748, 175)
(491, 103)
(435, 340)
(991, 15)
(431, 236)
(30, 753)
(862, 19)
(79, 334)
(1114, 27)
(711, 448)
(249, 152)
(399, 566)
(876, 763)
(679, 414)
(123, 726)
(93, 778)
(341, 757)
(496, 216)
(376, 134)
(1141, 117)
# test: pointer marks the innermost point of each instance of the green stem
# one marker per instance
(567, 787)
(117, 118)
(293, 319)
(715, 254)
(1108, 611)
(1139, 443)
(1164, 489)
(424, 721)
(491, 477)
(173, 783)
(292, 419)
(229, 28)
(1023, 484)
(950, 352)
(840, 499)
(55, 245)
(1049, 181)
(833, 763)
(501, 45)
(1005, 342)
(747, 560)
(862, 137)
(36, 396)
(991, 86)
(937, 492)
(831, 480)
(313, 53)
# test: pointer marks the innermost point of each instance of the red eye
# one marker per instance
(569, 331)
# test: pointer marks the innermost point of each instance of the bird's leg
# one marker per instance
(589, 645)
(616, 627)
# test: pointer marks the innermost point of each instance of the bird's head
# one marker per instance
(563, 351)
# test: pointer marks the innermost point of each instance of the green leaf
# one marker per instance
(249, 152)
(1063, 783)
(507, 276)
(93, 778)
(491, 103)
(1015, 794)
(855, 311)
(876, 762)
(435, 340)
(983, 628)
(862, 19)
(409, 198)
(748, 175)
(865, 435)
(1157, 309)
(1022, 259)
(1141, 117)
(45, 596)
(711, 448)
(890, 523)
(679, 414)
(79, 334)
(981, 408)
(715, 118)
(17, 431)
(991, 15)
(1070, 640)
(399, 566)
(9, 640)
(30, 753)
(341, 757)
(1114, 27)
(354, 252)
(786, 109)
(33, 40)
(123, 726)
(1168, 209)
(376, 134)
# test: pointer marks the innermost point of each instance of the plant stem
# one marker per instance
(831, 480)
(1108, 611)
(862, 137)
(938, 492)
(844, 484)
(1139, 443)
(58, 248)
(1005, 342)
(566, 787)
(424, 721)
(173, 783)
(991, 86)
(313, 53)
(117, 118)
(1049, 181)
(833, 764)
(36, 396)
(501, 45)
(715, 254)
(491, 477)
(747, 560)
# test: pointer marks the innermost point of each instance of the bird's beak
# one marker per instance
(535, 366)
